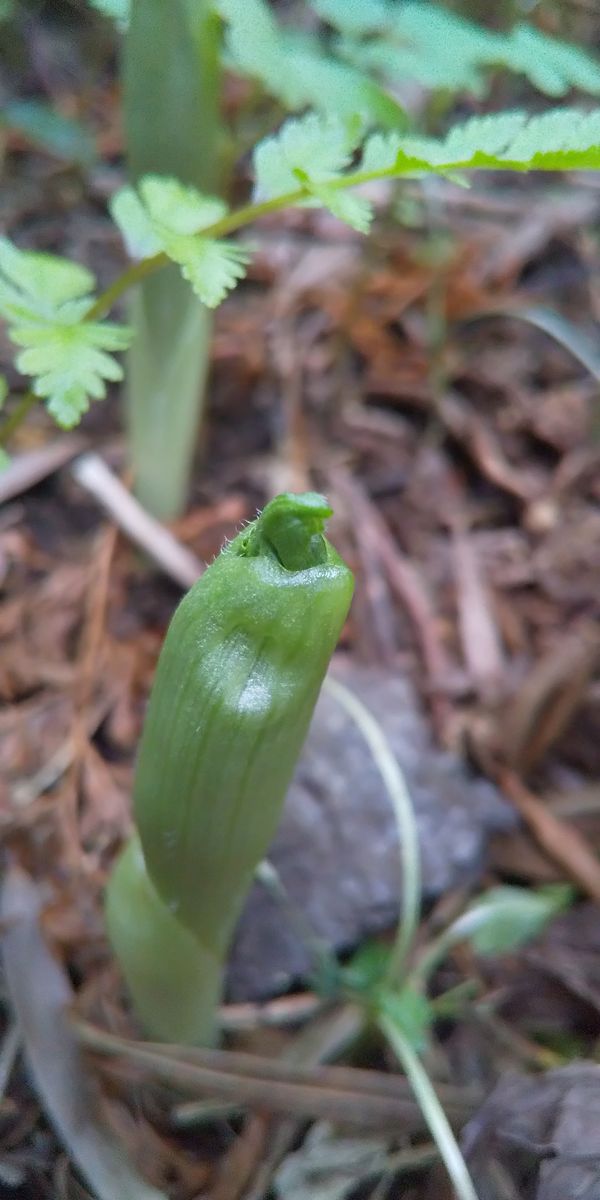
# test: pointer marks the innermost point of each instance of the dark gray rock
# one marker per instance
(337, 849)
(539, 1136)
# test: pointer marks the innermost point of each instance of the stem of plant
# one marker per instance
(410, 854)
(174, 49)
(431, 1108)
(174, 981)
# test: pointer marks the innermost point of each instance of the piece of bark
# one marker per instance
(541, 1134)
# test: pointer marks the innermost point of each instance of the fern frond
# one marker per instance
(552, 66)
(311, 153)
(69, 364)
(164, 215)
(44, 300)
(439, 49)
(561, 139)
(295, 69)
(354, 16)
(319, 147)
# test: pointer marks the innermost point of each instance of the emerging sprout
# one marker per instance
(235, 688)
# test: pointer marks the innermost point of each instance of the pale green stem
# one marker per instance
(174, 981)
(433, 955)
(171, 100)
(410, 855)
(431, 1108)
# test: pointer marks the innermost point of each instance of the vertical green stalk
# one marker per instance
(174, 980)
(172, 121)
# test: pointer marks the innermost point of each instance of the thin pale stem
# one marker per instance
(410, 855)
(431, 1108)
(134, 275)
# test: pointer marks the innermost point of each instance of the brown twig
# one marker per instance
(409, 588)
(25, 470)
(345, 1094)
(561, 842)
(367, 536)
(158, 543)
(479, 634)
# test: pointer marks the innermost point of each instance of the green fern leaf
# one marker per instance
(346, 206)
(253, 40)
(166, 216)
(383, 152)
(395, 63)
(491, 135)
(40, 283)
(295, 69)
(311, 152)
(136, 228)
(560, 139)
(354, 16)
(319, 147)
(178, 207)
(69, 364)
(439, 49)
(552, 66)
(212, 267)
(44, 300)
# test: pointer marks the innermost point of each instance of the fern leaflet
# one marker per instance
(44, 301)
(165, 216)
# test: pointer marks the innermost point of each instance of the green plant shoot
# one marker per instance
(235, 688)
(173, 50)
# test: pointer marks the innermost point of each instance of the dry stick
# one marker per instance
(563, 844)
(25, 470)
(158, 543)
(383, 616)
(549, 697)
(480, 639)
(272, 1014)
(345, 1094)
(321, 1042)
(483, 447)
(409, 589)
